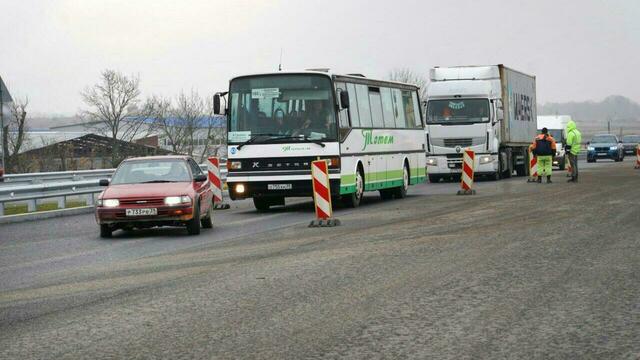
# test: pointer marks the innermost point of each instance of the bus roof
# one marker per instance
(336, 77)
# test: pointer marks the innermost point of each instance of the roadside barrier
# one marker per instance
(466, 180)
(322, 195)
(533, 168)
(213, 169)
(637, 157)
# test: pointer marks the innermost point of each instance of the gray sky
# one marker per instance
(579, 50)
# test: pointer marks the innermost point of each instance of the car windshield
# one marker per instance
(457, 111)
(151, 171)
(633, 139)
(608, 139)
(290, 107)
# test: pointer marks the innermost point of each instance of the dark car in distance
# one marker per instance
(155, 191)
(605, 146)
(630, 143)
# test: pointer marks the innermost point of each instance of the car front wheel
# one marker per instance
(207, 221)
(193, 225)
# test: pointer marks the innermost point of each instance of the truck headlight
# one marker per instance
(235, 165)
(109, 202)
(485, 159)
(432, 161)
(177, 200)
(613, 148)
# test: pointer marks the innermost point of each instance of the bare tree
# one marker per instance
(14, 134)
(409, 76)
(113, 109)
(188, 125)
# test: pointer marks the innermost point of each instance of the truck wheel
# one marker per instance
(353, 200)
(105, 231)
(193, 225)
(261, 204)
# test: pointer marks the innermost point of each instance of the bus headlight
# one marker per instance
(432, 161)
(485, 159)
(235, 165)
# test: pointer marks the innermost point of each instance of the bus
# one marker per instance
(371, 133)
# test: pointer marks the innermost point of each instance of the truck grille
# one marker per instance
(458, 142)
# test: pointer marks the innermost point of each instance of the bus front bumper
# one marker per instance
(276, 188)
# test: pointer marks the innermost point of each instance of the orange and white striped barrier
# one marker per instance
(322, 195)
(213, 170)
(533, 168)
(637, 157)
(466, 180)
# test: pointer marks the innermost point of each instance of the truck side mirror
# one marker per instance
(344, 99)
(216, 104)
(499, 104)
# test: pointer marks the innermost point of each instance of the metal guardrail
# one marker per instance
(30, 188)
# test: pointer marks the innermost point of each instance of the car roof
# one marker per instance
(159, 157)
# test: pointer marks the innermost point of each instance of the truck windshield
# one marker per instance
(457, 111)
(282, 106)
(555, 133)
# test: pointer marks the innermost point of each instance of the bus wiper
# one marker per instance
(253, 139)
(299, 137)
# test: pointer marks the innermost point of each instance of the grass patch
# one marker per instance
(14, 209)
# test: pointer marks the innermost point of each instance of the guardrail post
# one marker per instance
(62, 202)
(90, 199)
(32, 205)
(1, 209)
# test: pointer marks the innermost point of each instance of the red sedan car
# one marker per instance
(155, 191)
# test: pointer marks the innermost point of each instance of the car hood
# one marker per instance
(147, 190)
(602, 144)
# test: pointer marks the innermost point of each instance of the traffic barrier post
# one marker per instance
(533, 168)
(637, 157)
(322, 195)
(468, 168)
(213, 170)
(568, 166)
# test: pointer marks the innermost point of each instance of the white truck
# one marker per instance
(556, 125)
(489, 109)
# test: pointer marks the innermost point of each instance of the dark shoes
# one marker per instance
(539, 179)
(548, 179)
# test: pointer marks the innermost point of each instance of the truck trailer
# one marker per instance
(489, 109)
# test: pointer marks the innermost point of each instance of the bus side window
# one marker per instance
(387, 108)
(407, 106)
(343, 114)
(398, 108)
(364, 108)
(416, 110)
(353, 105)
(376, 107)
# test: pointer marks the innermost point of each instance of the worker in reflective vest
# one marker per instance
(544, 148)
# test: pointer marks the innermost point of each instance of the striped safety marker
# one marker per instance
(466, 182)
(213, 167)
(533, 167)
(322, 195)
(637, 157)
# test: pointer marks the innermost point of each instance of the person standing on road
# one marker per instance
(574, 139)
(544, 147)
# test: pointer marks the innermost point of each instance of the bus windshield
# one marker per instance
(282, 106)
(457, 111)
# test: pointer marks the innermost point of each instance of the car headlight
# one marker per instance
(235, 165)
(109, 202)
(591, 148)
(485, 159)
(613, 148)
(432, 162)
(177, 200)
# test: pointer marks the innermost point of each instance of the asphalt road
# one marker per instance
(517, 271)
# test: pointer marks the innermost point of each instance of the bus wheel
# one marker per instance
(353, 200)
(401, 192)
(261, 204)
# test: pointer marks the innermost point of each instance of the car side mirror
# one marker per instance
(344, 99)
(200, 178)
(103, 182)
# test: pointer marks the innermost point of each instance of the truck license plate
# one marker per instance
(279, 186)
(141, 212)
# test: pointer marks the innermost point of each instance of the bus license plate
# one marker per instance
(141, 212)
(279, 186)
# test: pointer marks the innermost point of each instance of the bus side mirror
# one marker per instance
(216, 104)
(344, 99)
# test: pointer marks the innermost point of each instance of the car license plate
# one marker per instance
(279, 186)
(455, 170)
(602, 153)
(141, 212)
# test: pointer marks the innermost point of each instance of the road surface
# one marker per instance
(517, 271)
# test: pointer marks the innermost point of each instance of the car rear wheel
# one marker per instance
(207, 221)
(193, 225)
(105, 231)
